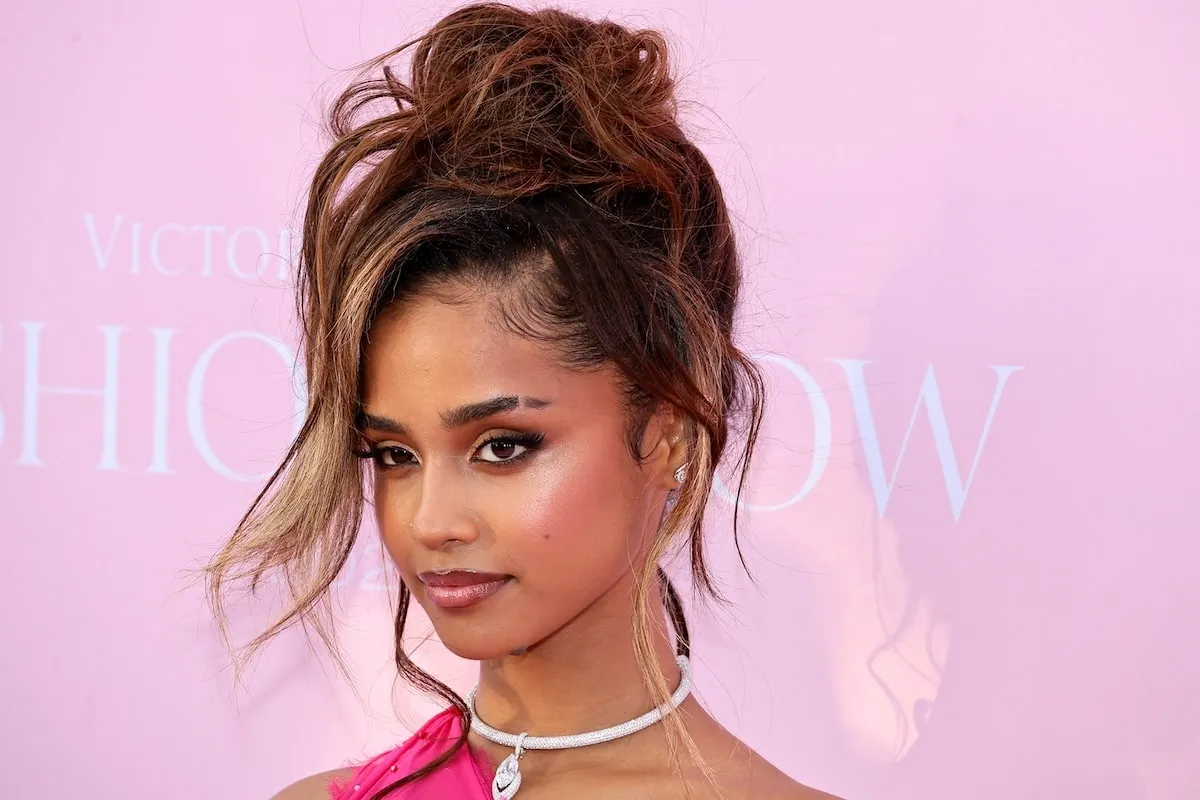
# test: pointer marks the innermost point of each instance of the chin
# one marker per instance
(474, 649)
(476, 640)
(484, 631)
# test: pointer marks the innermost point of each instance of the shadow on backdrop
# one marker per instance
(1063, 598)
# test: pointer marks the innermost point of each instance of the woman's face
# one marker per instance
(504, 487)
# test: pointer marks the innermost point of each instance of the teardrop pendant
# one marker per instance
(507, 779)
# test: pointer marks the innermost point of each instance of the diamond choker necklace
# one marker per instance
(508, 775)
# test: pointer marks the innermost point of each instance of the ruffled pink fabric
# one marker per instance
(464, 777)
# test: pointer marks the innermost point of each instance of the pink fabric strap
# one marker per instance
(463, 777)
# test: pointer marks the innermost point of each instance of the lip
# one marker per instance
(461, 588)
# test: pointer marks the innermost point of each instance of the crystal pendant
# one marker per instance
(507, 780)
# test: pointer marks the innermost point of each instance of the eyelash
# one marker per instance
(529, 441)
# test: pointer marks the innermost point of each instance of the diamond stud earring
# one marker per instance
(681, 473)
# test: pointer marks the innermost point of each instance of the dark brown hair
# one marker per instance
(538, 154)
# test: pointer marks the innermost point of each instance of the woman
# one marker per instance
(517, 315)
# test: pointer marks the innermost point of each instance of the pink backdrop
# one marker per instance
(973, 232)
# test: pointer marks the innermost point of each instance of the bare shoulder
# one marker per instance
(769, 781)
(801, 792)
(314, 787)
(742, 771)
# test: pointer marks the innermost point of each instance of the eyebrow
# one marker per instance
(455, 417)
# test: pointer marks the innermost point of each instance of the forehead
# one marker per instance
(439, 349)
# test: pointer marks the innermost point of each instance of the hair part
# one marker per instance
(537, 153)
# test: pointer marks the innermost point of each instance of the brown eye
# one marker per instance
(507, 448)
(388, 457)
(501, 450)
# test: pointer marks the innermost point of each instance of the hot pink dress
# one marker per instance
(465, 776)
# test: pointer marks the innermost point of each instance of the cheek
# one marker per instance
(392, 521)
(570, 517)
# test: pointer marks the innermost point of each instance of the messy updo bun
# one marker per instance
(538, 153)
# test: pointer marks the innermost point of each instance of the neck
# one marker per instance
(583, 678)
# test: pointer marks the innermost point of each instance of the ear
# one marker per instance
(666, 442)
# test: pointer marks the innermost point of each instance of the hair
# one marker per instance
(537, 153)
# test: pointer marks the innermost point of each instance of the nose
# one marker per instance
(441, 517)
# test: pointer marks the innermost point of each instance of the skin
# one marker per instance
(566, 518)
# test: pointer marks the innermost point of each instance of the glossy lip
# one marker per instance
(461, 588)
